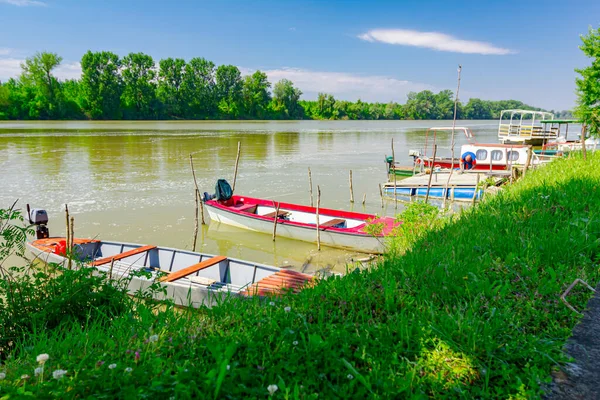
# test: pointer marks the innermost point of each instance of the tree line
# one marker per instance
(134, 88)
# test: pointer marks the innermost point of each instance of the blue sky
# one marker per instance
(375, 50)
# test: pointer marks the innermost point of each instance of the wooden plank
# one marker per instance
(193, 268)
(123, 255)
(332, 222)
(280, 215)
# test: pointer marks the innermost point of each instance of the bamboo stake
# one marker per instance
(395, 178)
(317, 215)
(364, 199)
(112, 264)
(275, 219)
(195, 220)
(351, 189)
(430, 175)
(72, 235)
(68, 227)
(199, 196)
(237, 160)
(528, 161)
(453, 136)
(381, 195)
(583, 149)
(476, 189)
(310, 187)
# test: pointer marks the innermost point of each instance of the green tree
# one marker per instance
(198, 89)
(478, 109)
(37, 75)
(256, 95)
(170, 87)
(101, 85)
(444, 105)
(228, 91)
(588, 84)
(139, 93)
(286, 98)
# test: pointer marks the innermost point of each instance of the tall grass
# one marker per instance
(470, 310)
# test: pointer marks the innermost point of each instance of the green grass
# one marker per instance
(471, 310)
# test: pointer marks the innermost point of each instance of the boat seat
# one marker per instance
(332, 223)
(123, 255)
(249, 208)
(182, 273)
(281, 214)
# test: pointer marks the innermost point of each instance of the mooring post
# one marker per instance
(67, 240)
(476, 190)
(317, 215)
(453, 136)
(71, 235)
(430, 174)
(276, 207)
(310, 187)
(381, 195)
(237, 161)
(394, 165)
(351, 189)
(528, 161)
(196, 201)
(364, 199)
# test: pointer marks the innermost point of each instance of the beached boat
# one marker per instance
(343, 229)
(190, 278)
(462, 186)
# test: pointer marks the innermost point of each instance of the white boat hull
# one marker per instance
(361, 243)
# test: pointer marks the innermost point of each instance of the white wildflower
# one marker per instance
(291, 332)
(228, 367)
(42, 358)
(38, 371)
(112, 366)
(59, 373)
(153, 338)
(128, 369)
(2, 376)
(350, 376)
(295, 343)
(272, 389)
(272, 303)
(24, 376)
(287, 309)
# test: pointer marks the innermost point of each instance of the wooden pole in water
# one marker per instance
(199, 196)
(364, 199)
(197, 189)
(112, 264)
(430, 175)
(317, 215)
(276, 207)
(351, 189)
(310, 185)
(67, 241)
(381, 195)
(476, 189)
(237, 161)
(195, 220)
(452, 144)
(528, 161)
(394, 165)
(71, 235)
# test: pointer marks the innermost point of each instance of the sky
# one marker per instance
(377, 50)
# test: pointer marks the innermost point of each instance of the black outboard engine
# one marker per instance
(39, 218)
(223, 191)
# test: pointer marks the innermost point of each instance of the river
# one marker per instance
(131, 181)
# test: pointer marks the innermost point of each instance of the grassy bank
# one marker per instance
(472, 310)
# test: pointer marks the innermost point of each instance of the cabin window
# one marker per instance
(497, 155)
(481, 155)
(513, 155)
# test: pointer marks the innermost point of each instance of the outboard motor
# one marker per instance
(223, 192)
(39, 218)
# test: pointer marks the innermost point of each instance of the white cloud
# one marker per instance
(432, 40)
(24, 3)
(343, 85)
(4, 51)
(11, 68)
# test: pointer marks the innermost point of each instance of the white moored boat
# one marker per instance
(190, 278)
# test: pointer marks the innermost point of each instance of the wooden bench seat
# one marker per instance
(280, 215)
(182, 273)
(332, 222)
(123, 255)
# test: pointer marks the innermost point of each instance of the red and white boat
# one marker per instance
(343, 229)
